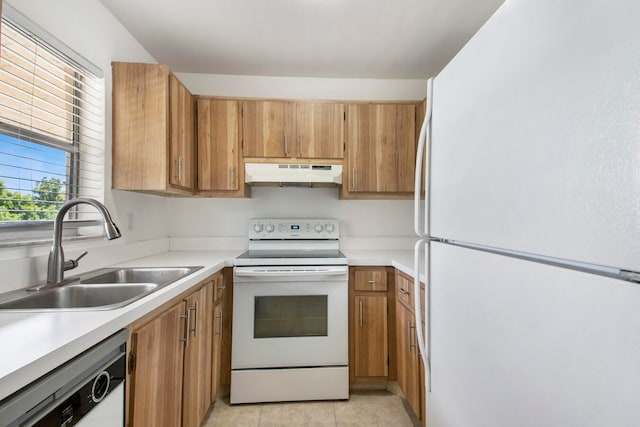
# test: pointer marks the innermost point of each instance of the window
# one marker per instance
(51, 129)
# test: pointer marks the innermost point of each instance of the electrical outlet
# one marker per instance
(130, 221)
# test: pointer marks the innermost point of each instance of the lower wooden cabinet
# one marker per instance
(196, 392)
(371, 348)
(155, 364)
(407, 352)
(410, 370)
(371, 325)
(174, 360)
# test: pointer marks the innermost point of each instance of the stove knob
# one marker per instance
(257, 227)
(330, 228)
(318, 228)
(270, 228)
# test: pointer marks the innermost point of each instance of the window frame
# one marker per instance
(37, 228)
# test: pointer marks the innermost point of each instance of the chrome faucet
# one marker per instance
(57, 265)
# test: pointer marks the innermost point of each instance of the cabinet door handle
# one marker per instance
(301, 144)
(372, 281)
(286, 144)
(220, 329)
(179, 168)
(187, 322)
(195, 323)
(409, 327)
(353, 177)
(232, 176)
(361, 312)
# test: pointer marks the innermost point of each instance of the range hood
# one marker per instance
(292, 174)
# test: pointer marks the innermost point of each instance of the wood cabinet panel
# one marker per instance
(196, 394)
(140, 111)
(371, 279)
(319, 130)
(407, 353)
(219, 166)
(381, 149)
(156, 389)
(371, 350)
(266, 129)
(405, 148)
(182, 137)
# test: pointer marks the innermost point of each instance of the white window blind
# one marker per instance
(51, 130)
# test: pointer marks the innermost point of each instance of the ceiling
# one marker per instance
(398, 39)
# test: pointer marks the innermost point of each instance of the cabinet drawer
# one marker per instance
(371, 280)
(404, 289)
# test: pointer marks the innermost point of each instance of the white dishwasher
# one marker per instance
(86, 391)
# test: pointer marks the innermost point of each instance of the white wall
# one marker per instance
(359, 219)
(89, 28)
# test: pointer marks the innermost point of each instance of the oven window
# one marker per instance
(290, 316)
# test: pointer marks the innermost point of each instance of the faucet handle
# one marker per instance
(73, 263)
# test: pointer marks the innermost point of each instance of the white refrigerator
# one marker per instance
(532, 223)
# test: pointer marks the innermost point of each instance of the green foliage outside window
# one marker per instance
(42, 205)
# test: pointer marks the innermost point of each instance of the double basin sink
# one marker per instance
(103, 289)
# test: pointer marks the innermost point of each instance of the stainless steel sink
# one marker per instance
(103, 289)
(141, 275)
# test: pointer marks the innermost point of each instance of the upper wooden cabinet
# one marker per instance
(266, 129)
(319, 130)
(381, 150)
(220, 167)
(300, 130)
(153, 130)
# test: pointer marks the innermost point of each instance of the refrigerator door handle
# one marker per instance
(424, 351)
(422, 143)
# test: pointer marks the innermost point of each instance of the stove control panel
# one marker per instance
(293, 229)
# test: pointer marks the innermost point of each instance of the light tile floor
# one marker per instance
(364, 408)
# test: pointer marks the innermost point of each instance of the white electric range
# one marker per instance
(290, 333)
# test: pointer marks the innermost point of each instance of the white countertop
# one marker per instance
(35, 343)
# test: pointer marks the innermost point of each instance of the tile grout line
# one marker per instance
(335, 415)
(260, 415)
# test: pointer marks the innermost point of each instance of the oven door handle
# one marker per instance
(281, 272)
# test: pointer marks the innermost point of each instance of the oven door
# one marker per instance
(289, 317)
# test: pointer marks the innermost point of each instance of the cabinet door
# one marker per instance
(140, 130)
(156, 389)
(182, 136)
(371, 350)
(218, 145)
(380, 148)
(369, 135)
(408, 372)
(266, 129)
(197, 362)
(319, 130)
(406, 146)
